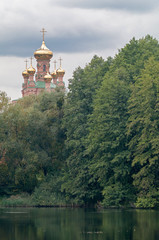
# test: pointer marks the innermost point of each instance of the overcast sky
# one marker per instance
(76, 30)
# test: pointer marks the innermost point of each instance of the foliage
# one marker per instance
(116, 195)
(48, 193)
(134, 55)
(31, 140)
(143, 132)
(83, 86)
(21, 200)
(107, 142)
(147, 202)
(4, 101)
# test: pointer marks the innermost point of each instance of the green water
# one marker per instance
(78, 224)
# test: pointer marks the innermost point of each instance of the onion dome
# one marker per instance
(47, 77)
(43, 53)
(54, 74)
(25, 73)
(31, 70)
(60, 72)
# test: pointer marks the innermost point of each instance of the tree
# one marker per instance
(107, 142)
(4, 101)
(82, 89)
(134, 55)
(32, 139)
(143, 129)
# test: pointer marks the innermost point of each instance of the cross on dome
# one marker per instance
(55, 65)
(60, 59)
(26, 61)
(31, 58)
(43, 31)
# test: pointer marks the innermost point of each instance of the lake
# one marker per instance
(78, 224)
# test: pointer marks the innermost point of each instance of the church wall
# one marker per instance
(43, 66)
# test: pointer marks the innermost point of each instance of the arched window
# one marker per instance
(44, 68)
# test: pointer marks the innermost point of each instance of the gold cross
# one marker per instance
(55, 65)
(60, 59)
(43, 31)
(31, 58)
(26, 62)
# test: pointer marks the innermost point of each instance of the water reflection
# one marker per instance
(78, 224)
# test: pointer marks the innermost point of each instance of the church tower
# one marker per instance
(54, 74)
(43, 78)
(25, 75)
(60, 74)
(43, 56)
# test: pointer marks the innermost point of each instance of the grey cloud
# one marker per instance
(72, 30)
(130, 5)
(84, 42)
(18, 47)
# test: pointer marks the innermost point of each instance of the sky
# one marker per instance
(76, 31)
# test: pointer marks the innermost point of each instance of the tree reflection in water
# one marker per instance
(78, 224)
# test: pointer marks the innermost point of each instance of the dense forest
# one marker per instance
(97, 145)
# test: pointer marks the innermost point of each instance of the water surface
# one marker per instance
(78, 224)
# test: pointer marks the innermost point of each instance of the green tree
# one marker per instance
(134, 55)
(82, 89)
(107, 141)
(143, 129)
(32, 139)
(4, 101)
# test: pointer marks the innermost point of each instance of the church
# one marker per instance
(34, 81)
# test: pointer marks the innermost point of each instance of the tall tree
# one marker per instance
(32, 139)
(82, 89)
(4, 101)
(107, 142)
(143, 129)
(133, 56)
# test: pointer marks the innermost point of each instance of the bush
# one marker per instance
(22, 200)
(146, 202)
(116, 196)
(49, 193)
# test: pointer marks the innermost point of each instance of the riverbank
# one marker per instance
(26, 200)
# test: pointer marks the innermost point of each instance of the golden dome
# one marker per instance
(54, 74)
(31, 70)
(60, 71)
(47, 77)
(25, 73)
(43, 53)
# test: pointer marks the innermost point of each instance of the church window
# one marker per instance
(44, 68)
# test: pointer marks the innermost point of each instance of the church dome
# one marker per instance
(47, 77)
(25, 73)
(60, 71)
(31, 70)
(54, 74)
(43, 53)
